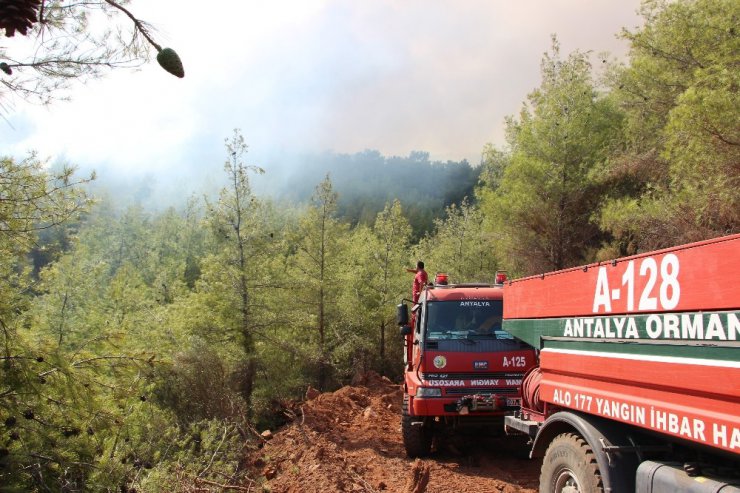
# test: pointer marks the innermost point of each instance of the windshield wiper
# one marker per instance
(469, 339)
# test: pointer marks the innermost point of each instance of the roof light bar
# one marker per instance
(441, 279)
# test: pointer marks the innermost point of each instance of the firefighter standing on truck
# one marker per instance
(420, 280)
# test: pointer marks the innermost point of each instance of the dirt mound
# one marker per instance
(350, 440)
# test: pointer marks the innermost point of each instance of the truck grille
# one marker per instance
(482, 391)
(472, 375)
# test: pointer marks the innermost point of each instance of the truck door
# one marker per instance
(420, 319)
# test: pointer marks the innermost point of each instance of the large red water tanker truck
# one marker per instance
(638, 382)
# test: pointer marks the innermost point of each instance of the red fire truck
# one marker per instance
(461, 368)
(638, 382)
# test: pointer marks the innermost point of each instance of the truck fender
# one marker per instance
(617, 468)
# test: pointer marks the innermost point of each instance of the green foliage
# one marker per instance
(197, 387)
(540, 200)
(236, 219)
(494, 164)
(316, 271)
(44, 404)
(460, 246)
(206, 452)
(387, 283)
(81, 402)
(34, 200)
(679, 94)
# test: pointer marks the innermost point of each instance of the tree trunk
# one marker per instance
(382, 348)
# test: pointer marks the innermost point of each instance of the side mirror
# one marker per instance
(402, 314)
(405, 330)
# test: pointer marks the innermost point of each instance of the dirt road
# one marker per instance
(350, 440)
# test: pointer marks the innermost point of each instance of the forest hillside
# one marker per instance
(365, 182)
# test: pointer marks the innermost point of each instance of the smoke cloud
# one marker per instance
(312, 76)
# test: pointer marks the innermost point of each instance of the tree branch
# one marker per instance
(139, 25)
(222, 486)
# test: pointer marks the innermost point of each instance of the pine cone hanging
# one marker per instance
(18, 15)
(170, 61)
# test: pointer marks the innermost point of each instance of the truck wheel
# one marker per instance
(570, 466)
(417, 437)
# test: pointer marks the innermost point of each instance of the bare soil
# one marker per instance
(350, 440)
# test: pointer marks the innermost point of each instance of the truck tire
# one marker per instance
(569, 466)
(417, 437)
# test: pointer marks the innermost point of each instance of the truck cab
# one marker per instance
(460, 367)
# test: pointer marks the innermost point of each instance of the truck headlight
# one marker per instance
(428, 392)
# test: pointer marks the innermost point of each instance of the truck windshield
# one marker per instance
(464, 319)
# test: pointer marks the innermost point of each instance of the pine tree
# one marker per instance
(318, 281)
(678, 177)
(542, 209)
(236, 223)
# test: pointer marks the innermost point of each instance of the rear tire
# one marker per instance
(417, 436)
(570, 466)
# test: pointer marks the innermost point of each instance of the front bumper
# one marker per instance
(473, 405)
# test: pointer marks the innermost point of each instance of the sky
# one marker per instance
(305, 76)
